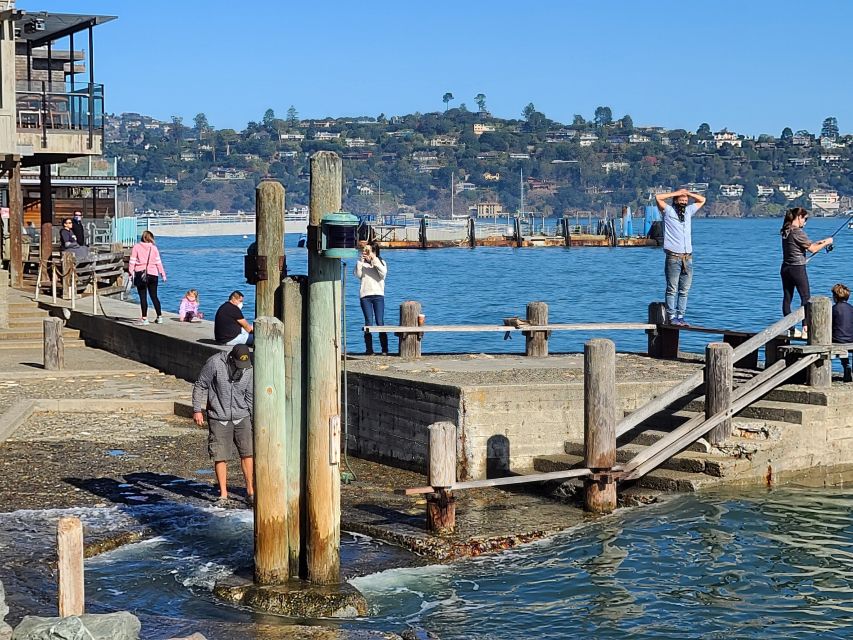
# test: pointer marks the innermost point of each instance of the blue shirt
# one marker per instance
(677, 234)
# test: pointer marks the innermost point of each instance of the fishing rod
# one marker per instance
(846, 223)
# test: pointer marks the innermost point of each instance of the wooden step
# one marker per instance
(26, 334)
(8, 345)
(712, 464)
(35, 312)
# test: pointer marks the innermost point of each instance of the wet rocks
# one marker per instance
(121, 625)
(195, 636)
(5, 629)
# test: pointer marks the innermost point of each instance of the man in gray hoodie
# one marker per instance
(225, 387)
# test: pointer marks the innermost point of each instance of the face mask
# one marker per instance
(239, 305)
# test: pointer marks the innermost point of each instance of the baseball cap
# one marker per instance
(241, 357)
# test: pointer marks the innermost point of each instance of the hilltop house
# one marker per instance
(725, 137)
(825, 199)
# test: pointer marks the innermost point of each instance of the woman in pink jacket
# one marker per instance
(145, 266)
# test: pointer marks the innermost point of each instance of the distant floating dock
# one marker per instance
(431, 233)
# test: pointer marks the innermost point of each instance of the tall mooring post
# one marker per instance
(272, 562)
(599, 428)
(536, 342)
(441, 505)
(323, 492)
(719, 376)
(69, 567)
(16, 221)
(819, 315)
(294, 292)
(269, 231)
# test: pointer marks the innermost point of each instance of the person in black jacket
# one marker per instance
(77, 228)
(842, 325)
(67, 238)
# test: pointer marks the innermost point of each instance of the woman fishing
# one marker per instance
(795, 244)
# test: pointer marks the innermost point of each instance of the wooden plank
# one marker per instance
(509, 480)
(724, 332)
(472, 328)
(803, 349)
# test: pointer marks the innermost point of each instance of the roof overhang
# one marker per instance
(40, 28)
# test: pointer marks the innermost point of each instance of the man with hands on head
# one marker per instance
(678, 247)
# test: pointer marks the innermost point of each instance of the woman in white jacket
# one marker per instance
(371, 270)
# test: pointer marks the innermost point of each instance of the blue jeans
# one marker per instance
(679, 276)
(373, 308)
(244, 338)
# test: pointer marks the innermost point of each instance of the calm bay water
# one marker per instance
(735, 284)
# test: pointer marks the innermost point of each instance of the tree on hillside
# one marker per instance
(787, 135)
(177, 128)
(578, 121)
(269, 118)
(528, 111)
(480, 99)
(292, 116)
(201, 124)
(627, 123)
(446, 98)
(603, 116)
(829, 128)
(704, 131)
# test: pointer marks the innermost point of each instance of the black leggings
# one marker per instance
(149, 288)
(794, 276)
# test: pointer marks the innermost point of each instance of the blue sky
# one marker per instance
(754, 66)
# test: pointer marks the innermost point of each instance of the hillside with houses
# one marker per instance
(412, 163)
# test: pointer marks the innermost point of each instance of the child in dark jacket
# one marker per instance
(842, 325)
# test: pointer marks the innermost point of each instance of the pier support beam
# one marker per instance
(410, 343)
(269, 233)
(324, 356)
(46, 206)
(294, 305)
(719, 372)
(54, 347)
(599, 404)
(270, 448)
(819, 314)
(441, 505)
(536, 342)
(16, 222)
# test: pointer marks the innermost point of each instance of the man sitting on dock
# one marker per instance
(229, 325)
(678, 247)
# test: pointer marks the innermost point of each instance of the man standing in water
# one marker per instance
(678, 247)
(225, 387)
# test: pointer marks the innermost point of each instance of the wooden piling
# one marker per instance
(663, 341)
(719, 372)
(441, 505)
(819, 313)
(69, 264)
(599, 402)
(272, 562)
(54, 346)
(323, 490)
(69, 548)
(536, 342)
(294, 305)
(16, 221)
(269, 231)
(410, 343)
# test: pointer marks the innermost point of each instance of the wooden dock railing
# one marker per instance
(722, 403)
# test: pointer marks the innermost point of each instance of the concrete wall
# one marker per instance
(497, 426)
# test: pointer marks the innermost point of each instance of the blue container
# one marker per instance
(652, 215)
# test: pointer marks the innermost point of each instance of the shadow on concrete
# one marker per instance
(34, 365)
(391, 516)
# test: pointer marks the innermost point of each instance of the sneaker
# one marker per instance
(159, 320)
(683, 322)
(678, 322)
(142, 321)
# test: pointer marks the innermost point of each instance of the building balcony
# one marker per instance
(60, 120)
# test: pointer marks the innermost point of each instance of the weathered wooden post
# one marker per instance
(324, 420)
(53, 281)
(272, 563)
(294, 306)
(54, 346)
(4, 299)
(719, 376)
(662, 341)
(69, 263)
(536, 342)
(819, 314)
(441, 505)
(69, 548)
(269, 232)
(16, 221)
(599, 442)
(410, 343)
